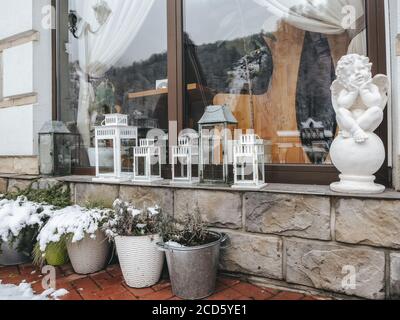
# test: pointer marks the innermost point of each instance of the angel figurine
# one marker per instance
(359, 101)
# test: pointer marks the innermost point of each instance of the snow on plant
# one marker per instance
(127, 220)
(74, 222)
(18, 215)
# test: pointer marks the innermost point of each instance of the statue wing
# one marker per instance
(383, 83)
(336, 88)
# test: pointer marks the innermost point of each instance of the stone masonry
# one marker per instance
(342, 245)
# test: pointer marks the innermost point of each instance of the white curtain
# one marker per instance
(324, 16)
(99, 51)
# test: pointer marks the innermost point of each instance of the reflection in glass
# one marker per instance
(272, 62)
(114, 61)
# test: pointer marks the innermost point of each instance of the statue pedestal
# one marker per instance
(358, 162)
(357, 185)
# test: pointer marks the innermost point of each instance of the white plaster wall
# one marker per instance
(27, 68)
(42, 70)
(16, 128)
(15, 17)
(18, 70)
(393, 29)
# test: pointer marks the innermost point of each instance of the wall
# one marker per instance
(294, 237)
(26, 65)
(393, 29)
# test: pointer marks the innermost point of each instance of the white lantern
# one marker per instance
(184, 156)
(147, 161)
(114, 134)
(249, 162)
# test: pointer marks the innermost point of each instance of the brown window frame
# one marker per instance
(276, 173)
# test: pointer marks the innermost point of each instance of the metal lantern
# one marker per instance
(147, 161)
(183, 157)
(55, 144)
(249, 162)
(215, 130)
(114, 133)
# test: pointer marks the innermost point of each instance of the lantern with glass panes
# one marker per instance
(147, 161)
(249, 162)
(115, 134)
(184, 156)
(216, 129)
(55, 148)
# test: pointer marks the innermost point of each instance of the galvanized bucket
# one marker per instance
(193, 270)
(11, 257)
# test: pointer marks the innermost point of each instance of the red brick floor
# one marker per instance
(109, 285)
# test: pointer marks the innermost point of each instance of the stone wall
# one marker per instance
(312, 241)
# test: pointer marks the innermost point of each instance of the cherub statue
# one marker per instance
(358, 99)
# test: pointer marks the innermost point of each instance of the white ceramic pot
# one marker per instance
(89, 255)
(141, 261)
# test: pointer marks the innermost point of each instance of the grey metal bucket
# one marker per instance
(11, 257)
(193, 270)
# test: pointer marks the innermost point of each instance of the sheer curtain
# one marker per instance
(323, 16)
(100, 50)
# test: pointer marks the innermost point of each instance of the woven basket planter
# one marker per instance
(89, 255)
(141, 261)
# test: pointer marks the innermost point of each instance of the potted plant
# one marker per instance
(193, 257)
(136, 232)
(20, 220)
(75, 230)
(22, 213)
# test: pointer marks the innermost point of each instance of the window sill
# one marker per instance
(295, 189)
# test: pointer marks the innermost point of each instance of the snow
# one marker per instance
(75, 221)
(15, 215)
(24, 291)
(173, 244)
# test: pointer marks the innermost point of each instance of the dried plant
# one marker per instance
(192, 231)
(127, 220)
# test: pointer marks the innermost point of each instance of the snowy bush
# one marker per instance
(74, 222)
(20, 218)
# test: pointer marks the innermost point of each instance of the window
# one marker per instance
(113, 59)
(271, 62)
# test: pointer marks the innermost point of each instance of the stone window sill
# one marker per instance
(298, 189)
(315, 190)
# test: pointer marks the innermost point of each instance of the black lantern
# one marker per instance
(55, 144)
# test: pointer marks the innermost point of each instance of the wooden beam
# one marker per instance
(147, 93)
(19, 100)
(19, 39)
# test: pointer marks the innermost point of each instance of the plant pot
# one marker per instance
(193, 270)
(11, 257)
(89, 255)
(141, 261)
(56, 254)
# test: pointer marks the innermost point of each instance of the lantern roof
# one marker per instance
(218, 114)
(54, 127)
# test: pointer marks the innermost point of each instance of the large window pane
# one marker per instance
(114, 60)
(272, 62)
